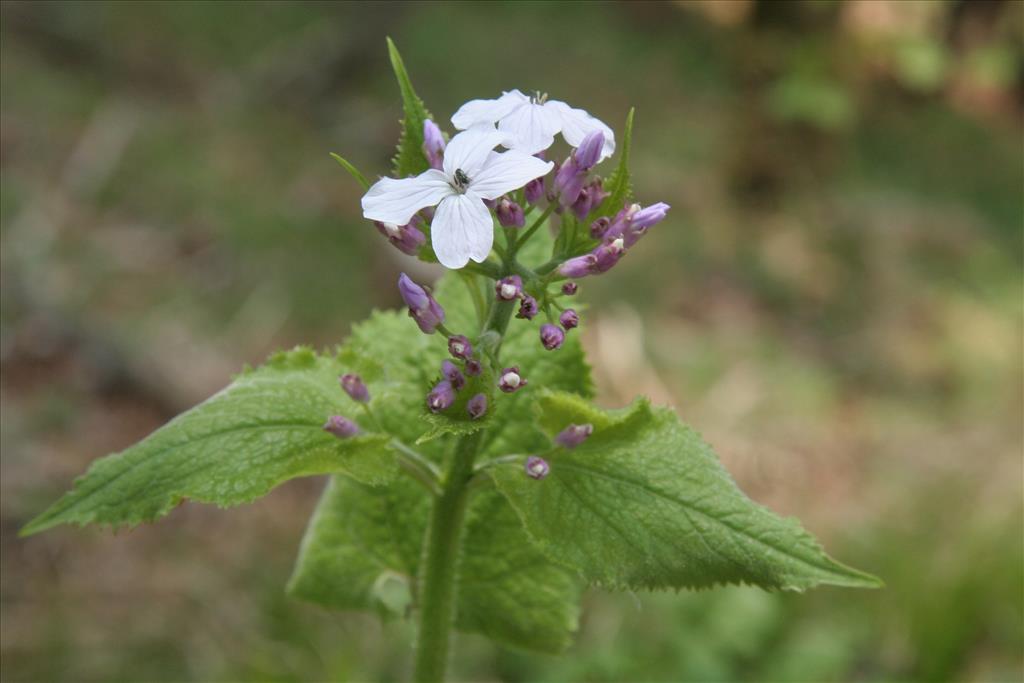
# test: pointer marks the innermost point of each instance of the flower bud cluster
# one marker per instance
(339, 425)
(617, 236)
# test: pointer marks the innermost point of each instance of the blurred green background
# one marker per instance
(835, 301)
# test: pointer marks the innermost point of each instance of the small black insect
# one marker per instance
(461, 179)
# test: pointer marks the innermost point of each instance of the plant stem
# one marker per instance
(528, 233)
(440, 564)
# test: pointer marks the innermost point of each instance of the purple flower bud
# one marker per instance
(528, 308)
(433, 144)
(599, 227)
(441, 397)
(459, 346)
(477, 406)
(509, 288)
(536, 468)
(643, 219)
(534, 190)
(578, 267)
(510, 214)
(354, 387)
(581, 207)
(569, 288)
(473, 367)
(406, 238)
(551, 336)
(620, 223)
(510, 380)
(451, 372)
(573, 435)
(589, 151)
(427, 313)
(607, 255)
(341, 427)
(569, 182)
(569, 319)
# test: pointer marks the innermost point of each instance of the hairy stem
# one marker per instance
(440, 564)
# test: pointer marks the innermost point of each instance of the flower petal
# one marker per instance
(462, 229)
(506, 172)
(469, 149)
(396, 201)
(488, 111)
(533, 127)
(577, 124)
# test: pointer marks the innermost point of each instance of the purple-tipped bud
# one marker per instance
(427, 313)
(459, 346)
(578, 267)
(551, 336)
(510, 380)
(451, 372)
(441, 397)
(510, 214)
(569, 319)
(473, 367)
(477, 406)
(536, 468)
(620, 223)
(509, 288)
(433, 144)
(341, 427)
(354, 387)
(573, 435)
(534, 191)
(599, 227)
(589, 151)
(406, 238)
(643, 219)
(569, 182)
(528, 308)
(569, 288)
(607, 255)
(581, 207)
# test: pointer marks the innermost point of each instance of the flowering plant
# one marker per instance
(473, 483)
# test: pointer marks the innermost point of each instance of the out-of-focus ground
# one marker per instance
(835, 301)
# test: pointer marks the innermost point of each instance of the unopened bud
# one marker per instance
(569, 319)
(427, 313)
(580, 266)
(341, 427)
(534, 191)
(510, 214)
(441, 397)
(354, 387)
(451, 372)
(406, 238)
(573, 435)
(477, 406)
(433, 144)
(569, 288)
(536, 468)
(599, 227)
(473, 367)
(551, 336)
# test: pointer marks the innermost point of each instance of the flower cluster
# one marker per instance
(492, 177)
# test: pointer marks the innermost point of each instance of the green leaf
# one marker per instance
(644, 503)
(619, 188)
(260, 431)
(409, 159)
(361, 537)
(352, 170)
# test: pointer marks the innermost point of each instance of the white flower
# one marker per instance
(533, 121)
(462, 228)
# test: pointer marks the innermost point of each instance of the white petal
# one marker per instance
(462, 229)
(469, 149)
(488, 111)
(533, 126)
(506, 172)
(391, 200)
(577, 124)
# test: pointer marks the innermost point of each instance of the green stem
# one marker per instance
(440, 564)
(532, 229)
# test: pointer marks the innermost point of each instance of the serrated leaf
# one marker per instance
(352, 170)
(263, 429)
(645, 504)
(618, 186)
(507, 589)
(409, 159)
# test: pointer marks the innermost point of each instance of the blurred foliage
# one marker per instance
(835, 302)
